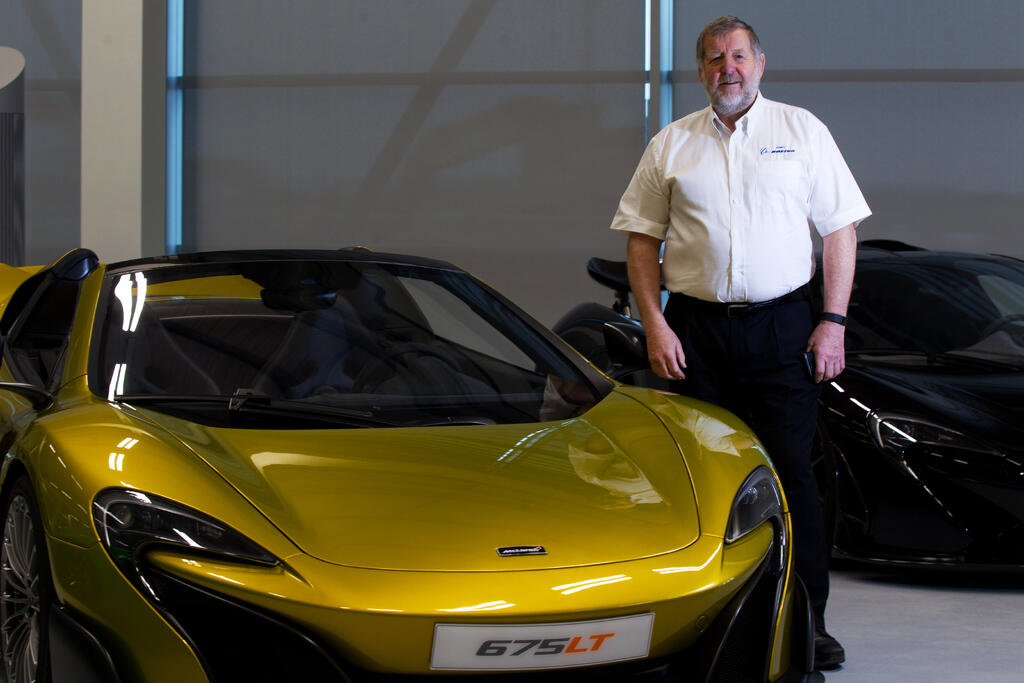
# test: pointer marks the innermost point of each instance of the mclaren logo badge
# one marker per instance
(516, 550)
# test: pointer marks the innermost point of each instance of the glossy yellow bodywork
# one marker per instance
(445, 498)
(12, 276)
(384, 620)
(384, 533)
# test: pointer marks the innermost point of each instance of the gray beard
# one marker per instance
(732, 106)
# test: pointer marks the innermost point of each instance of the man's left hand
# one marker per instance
(827, 343)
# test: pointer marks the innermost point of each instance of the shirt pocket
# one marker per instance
(782, 182)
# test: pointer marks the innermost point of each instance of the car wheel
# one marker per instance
(25, 589)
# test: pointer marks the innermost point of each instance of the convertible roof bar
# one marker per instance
(75, 264)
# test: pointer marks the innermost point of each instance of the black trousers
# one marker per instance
(752, 364)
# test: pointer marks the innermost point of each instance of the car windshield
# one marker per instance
(969, 307)
(327, 343)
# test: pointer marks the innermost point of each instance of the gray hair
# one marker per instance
(723, 25)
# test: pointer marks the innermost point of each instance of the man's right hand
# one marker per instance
(665, 352)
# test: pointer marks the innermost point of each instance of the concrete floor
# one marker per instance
(911, 627)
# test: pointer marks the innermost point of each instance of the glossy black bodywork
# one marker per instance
(926, 349)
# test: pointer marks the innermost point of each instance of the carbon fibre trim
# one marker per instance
(76, 655)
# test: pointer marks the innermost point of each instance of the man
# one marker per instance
(731, 191)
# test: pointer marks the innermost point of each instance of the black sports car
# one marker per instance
(922, 445)
(920, 458)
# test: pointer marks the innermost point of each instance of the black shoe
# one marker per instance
(828, 653)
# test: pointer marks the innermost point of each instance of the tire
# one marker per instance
(25, 589)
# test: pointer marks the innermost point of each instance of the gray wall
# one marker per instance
(495, 134)
(48, 34)
(499, 134)
(924, 97)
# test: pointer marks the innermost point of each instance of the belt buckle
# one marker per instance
(735, 310)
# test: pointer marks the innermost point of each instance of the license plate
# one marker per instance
(500, 647)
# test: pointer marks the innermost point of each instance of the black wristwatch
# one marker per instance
(833, 318)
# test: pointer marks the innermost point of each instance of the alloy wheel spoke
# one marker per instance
(19, 595)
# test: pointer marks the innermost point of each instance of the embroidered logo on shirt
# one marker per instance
(778, 149)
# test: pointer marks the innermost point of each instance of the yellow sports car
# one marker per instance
(353, 466)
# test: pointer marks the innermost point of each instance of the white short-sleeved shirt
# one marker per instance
(735, 210)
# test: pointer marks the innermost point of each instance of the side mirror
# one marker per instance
(627, 346)
(40, 397)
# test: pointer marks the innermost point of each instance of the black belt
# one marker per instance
(741, 308)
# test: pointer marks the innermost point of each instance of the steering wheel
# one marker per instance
(400, 360)
(999, 323)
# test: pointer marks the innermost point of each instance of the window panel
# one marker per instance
(453, 130)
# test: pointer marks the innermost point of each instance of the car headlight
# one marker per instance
(895, 433)
(129, 521)
(757, 501)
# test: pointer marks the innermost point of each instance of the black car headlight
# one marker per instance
(129, 521)
(895, 433)
(757, 501)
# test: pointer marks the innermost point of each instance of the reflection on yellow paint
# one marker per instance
(116, 462)
(482, 607)
(116, 459)
(599, 462)
(268, 459)
(527, 442)
(695, 568)
(570, 588)
(719, 437)
(224, 578)
(708, 432)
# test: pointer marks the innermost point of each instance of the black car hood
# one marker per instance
(965, 393)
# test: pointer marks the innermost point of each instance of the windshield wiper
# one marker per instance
(242, 396)
(454, 421)
(245, 400)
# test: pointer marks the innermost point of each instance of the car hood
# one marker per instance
(962, 393)
(608, 486)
